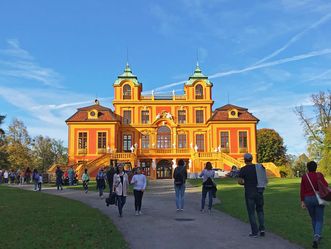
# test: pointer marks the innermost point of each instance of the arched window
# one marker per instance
(163, 137)
(127, 92)
(198, 92)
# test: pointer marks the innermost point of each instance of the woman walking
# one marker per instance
(120, 185)
(308, 200)
(139, 182)
(85, 179)
(208, 186)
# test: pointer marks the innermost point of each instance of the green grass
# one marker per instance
(38, 220)
(283, 213)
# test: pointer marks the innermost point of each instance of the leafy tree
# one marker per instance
(300, 165)
(318, 129)
(18, 141)
(48, 151)
(4, 163)
(270, 147)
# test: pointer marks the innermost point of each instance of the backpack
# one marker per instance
(179, 178)
(208, 183)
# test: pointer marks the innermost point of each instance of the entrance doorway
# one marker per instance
(164, 169)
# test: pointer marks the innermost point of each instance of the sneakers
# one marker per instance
(140, 213)
(202, 210)
(262, 233)
(136, 213)
(252, 235)
(181, 209)
(315, 244)
(177, 209)
(209, 211)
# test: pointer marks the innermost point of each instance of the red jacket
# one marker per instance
(306, 189)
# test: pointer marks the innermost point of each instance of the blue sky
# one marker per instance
(268, 56)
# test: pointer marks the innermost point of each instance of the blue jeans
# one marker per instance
(204, 195)
(254, 202)
(180, 191)
(100, 191)
(120, 203)
(316, 213)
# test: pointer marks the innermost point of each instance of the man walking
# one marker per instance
(180, 175)
(254, 178)
(110, 178)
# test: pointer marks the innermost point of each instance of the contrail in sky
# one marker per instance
(255, 67)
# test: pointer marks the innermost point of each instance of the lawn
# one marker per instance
(38, 220)
(283, 213)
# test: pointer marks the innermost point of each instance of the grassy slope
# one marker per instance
(283, 214)
(38, 220)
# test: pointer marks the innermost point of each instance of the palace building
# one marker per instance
(155, 131)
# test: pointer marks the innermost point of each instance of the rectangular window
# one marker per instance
(224, 139)
(200, 142)
(102, 140)
(127, 117)
(82, 140)
(199, 116)
(182, 141)
(127, 142)
(144, 117)
(181, 116)
(243, 139)
(145, 141)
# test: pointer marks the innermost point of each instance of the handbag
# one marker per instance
(324, 191)
(319, 199)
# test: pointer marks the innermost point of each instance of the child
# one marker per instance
(40, 181)
(85, 179)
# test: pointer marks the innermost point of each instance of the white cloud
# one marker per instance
(19, 63)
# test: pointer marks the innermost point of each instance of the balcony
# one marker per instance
(159, 151)
(82, 151)
(102, 150)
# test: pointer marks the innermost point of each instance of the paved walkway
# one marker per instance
(162, 227)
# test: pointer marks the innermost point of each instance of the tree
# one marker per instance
(18, 142)
(300, 165)
(48, 151)
(270, 147)
(4, 163)
(318, 128)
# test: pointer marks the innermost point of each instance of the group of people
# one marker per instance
(252, 176)
(15, 176)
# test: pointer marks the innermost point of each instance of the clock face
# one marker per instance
(92, 113)
(233, 113)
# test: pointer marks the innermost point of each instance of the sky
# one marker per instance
(268, 56)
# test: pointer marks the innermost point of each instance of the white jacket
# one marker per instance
(119, 188)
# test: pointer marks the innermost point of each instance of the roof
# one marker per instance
(127, 75)
(198, 75)
(105, 114)
(221, 114)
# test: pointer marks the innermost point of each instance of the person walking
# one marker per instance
(1, 175)
(208, 186)
(309, 200)
(59, 180)
(180, 176)
(120, 186)
(254, 178)
(101, 182)
(40, 181)
(28, 175)
(22, 177)
(71, 176)
(35, 178)
(110, 177)
(5, 176)
(139, 182)
(85, 179)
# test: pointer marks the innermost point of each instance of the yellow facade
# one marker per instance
(155, 131)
